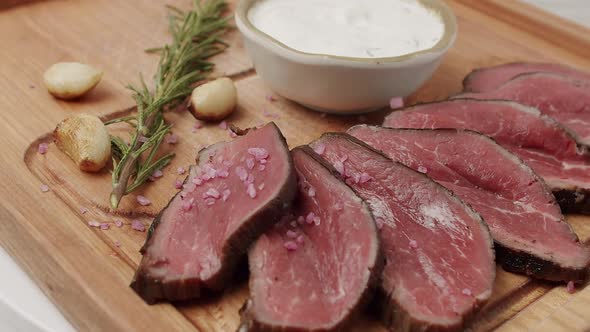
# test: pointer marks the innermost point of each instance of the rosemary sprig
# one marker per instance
(195, 38)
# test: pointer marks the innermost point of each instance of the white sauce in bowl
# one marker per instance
(351, 28)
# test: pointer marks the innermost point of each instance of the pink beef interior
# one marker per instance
(199, 221)
(565, 99)
(539, 141)
(488, 79)
(520, 211)
(439, 258)
(322, 280)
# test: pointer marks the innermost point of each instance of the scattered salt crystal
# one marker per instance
(198, 125)
(143, 200)
(93, 223)
(104, 226)
(379, 223)
(188, 188)
(291, 234)
(344, 158)
(466, 291)
(300, 220)
(250, 163)
(157, 174)
(339, 166)
(316, 220)
(250, 179)
(365, 178)
(44, 188)
(310, 217)
(83, 210)
(211, 192)
(338, 206)
(261, 186)
(232, 134)
(197, 181)
(319, 149)
(258, 153)
(396, 102)
(180, 170)
(188, 205)
(571, 287)
(226, 194)
(267, 114)
(270, 98)
(117, 243)
(210, 201)
(241, 173)
(299, 239)
(261, 167)
(43, 147)
(137, 225)
(208, 172)
(118, 223)
(311, 192)
(142, 139)
(178, 184)
(290, 245)
(223, 125)
(356, 178)
(171, 139)
(251, 191)
(413, 244)
(223, 172)
(422, 169)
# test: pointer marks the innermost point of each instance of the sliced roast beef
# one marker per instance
(543, 144)
(565, 99)
(318, 265)
(530, 232)
(439, 257)
(488, 79)
(233, 194)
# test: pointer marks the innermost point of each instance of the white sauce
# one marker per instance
(352, 28)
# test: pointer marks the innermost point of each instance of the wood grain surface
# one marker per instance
(86, 274)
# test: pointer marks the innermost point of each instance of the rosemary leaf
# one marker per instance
(196, 37)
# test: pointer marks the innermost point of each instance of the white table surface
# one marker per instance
(24, 308)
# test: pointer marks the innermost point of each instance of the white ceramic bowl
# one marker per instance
(338, 84)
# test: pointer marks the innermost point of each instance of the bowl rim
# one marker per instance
(446, 41)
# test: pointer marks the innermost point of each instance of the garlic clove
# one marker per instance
(85, 139)
(69, 80)
(215, 100)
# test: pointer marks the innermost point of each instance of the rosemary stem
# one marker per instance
(120, 187)
(182, 63)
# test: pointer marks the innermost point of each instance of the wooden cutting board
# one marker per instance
(86, 274)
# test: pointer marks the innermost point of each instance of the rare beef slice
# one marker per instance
(543, 144)
(531, 235)
(314, 269)
(439, 254)
(234, 193)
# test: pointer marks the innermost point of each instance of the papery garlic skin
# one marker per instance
(85, 139)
